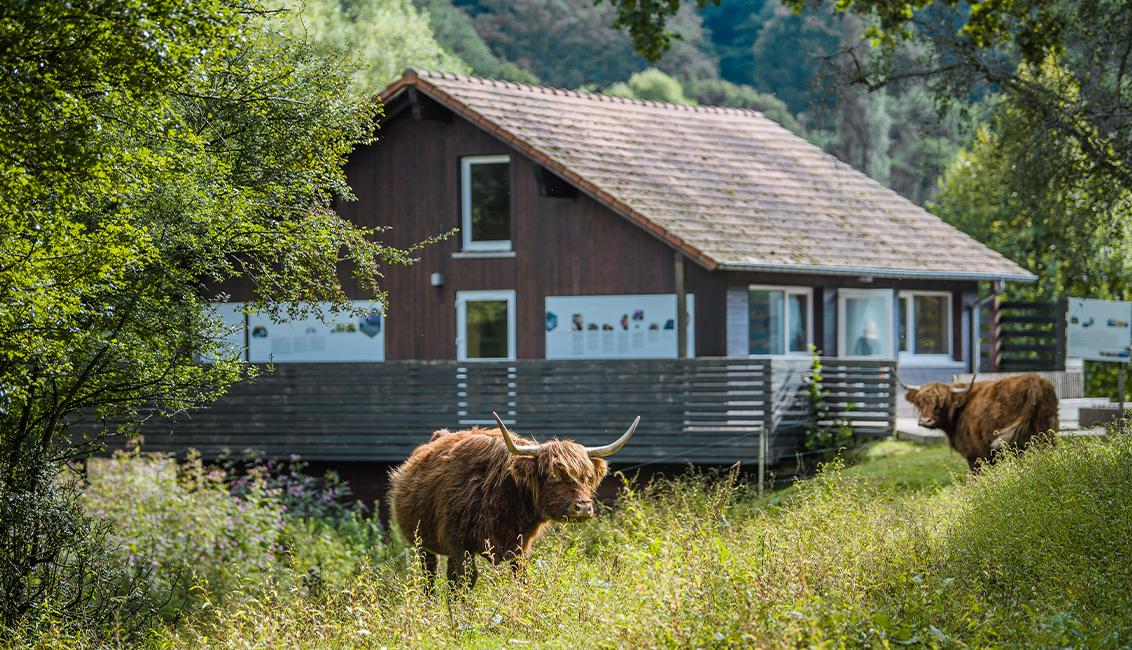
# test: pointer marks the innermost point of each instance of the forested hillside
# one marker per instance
(744, 53)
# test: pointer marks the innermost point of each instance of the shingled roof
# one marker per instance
(730, 187)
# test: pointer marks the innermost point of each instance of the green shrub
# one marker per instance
(58, 573)
(180, 524)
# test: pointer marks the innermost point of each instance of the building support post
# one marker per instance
(995, 356)
(681, 308)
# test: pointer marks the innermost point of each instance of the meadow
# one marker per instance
(894, 546)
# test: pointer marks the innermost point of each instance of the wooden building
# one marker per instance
(599, 240)
(582, 216)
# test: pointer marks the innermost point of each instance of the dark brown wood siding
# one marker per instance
(410, 180)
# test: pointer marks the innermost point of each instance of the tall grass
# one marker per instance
(1035, 552)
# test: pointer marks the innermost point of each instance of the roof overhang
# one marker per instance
(919, 274)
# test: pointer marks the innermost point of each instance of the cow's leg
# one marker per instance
(429, 562)
(462, 572)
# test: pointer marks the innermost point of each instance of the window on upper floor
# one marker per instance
(925, 323)
(485, 203)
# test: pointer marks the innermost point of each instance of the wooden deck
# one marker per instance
(704, 410)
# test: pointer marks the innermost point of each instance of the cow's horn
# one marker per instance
(969, 386)
(903, 385)
(525, 450)
(611, 448)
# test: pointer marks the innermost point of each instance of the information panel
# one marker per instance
(1099, 330)
(334, 337)
(615, 327)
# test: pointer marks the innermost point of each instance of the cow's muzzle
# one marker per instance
(580, 511)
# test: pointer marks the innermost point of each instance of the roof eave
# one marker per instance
(912, 274)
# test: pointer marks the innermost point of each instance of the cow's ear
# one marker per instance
(601, 467)
(524, 469)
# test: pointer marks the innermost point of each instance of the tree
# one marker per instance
(717, 92)
(651, 84)
(976, 47)
(153, 151)
(733, 26)
(570, 43)
(454, 29)
(1036, 200)
(384, 36)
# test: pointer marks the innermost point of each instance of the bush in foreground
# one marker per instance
(179, 525)
(1033, 552)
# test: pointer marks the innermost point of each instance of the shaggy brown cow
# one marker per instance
(485, 492)
(979, 419)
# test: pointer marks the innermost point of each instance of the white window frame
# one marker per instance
(890, 315)
(466, 204)
(462, 300)
(787, 291)
(910, 316)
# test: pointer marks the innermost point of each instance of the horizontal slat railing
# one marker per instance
(704, 411)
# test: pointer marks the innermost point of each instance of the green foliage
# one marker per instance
(962, 48)
(824, 432)
(1037, 201)
(647, 24)
(334, 551)
(153, 152)
(568, 43)
(1028, 554)
(734, 25)
(180, 525)
(383, 36)
(454, 29)
(60, 575)
(717, 92)
(790, 54)
(651, 84)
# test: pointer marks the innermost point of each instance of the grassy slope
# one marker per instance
(901, 548)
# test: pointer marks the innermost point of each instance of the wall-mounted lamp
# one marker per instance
(437, 279)
(867, 279)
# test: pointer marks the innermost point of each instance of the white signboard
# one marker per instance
(1099, 330)
(334, 337)
(615, 327)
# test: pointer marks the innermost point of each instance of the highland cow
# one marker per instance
(484, 492)
(982, 418)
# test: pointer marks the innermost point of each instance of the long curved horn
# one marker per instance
(969, 386)
(903, 385)
(516, 450)
(611, 448)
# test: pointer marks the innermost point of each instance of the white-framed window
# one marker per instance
(924, 322)
(485, 203)
(781, 320)
(485, 325)
(864, 323)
